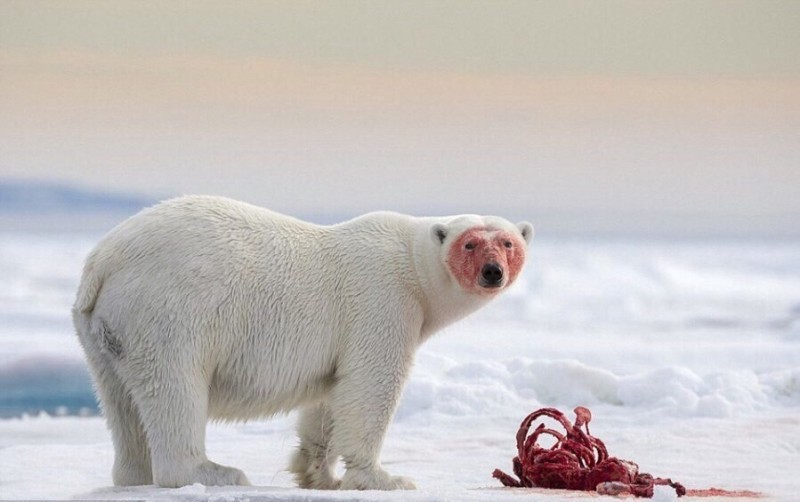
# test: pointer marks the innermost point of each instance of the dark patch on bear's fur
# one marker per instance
(110, 342)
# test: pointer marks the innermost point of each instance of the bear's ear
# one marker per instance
(439, 233)
(526, 229)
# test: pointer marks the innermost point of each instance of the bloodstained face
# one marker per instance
(485, 260)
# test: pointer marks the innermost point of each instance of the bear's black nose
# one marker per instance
(492, 275)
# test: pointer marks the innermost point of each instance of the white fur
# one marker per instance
(203, 307)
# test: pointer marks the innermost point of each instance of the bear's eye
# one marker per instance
(508, 244)
(469, 246)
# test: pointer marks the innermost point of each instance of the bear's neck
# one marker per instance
(443, 300)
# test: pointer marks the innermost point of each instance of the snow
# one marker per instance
(687, 353)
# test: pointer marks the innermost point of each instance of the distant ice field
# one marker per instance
(700, 328)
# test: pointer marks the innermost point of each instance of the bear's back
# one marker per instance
(212, 248)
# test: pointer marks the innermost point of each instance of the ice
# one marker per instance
(688, 354)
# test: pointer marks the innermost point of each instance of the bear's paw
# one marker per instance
(375, 479)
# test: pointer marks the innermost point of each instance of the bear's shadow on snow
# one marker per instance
(198, 492)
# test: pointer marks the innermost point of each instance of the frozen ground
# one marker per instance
(688, 355)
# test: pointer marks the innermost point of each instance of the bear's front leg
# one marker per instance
(370, 378)
(313, 463)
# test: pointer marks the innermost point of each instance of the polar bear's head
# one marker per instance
(483, 254)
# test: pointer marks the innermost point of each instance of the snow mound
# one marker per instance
(477, 388)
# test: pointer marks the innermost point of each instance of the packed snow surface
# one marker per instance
(687, 353)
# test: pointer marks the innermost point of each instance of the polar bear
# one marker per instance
(203, 307)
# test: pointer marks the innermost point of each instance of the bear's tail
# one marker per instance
(89, 289)
(85, 300)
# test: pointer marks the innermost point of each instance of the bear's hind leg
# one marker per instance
(313, 463)
(131, 454)
(173, 405)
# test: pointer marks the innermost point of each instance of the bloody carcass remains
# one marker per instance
(577, 460)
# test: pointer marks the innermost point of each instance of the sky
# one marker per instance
(677, 118)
